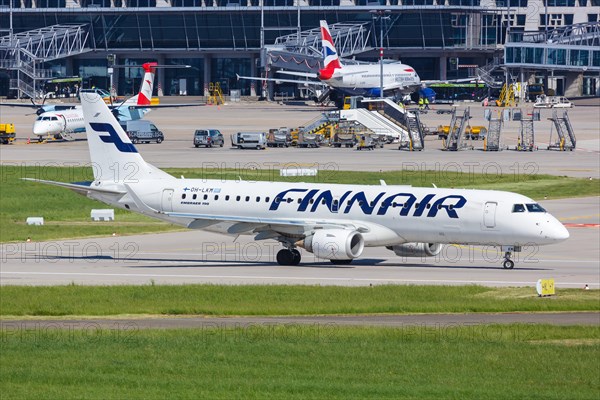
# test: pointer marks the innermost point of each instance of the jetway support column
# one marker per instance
(207, 75)
(443, 68)
(253, 71)
(160, 76)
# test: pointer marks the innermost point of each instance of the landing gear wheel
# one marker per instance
(296, 257)
(341, 262)
(288, 257)
(508, 264)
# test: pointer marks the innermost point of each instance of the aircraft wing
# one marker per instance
(294, 73)
(282, 80)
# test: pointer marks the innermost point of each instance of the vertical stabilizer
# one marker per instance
(331, 60)
(144, 97)
(113, 156)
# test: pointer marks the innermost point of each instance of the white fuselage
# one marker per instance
(53, 123)
(366, 77)
(385, 215)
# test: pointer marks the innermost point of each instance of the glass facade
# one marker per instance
(557, 56)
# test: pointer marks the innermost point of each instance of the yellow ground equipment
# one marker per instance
(507, 96)
(7, 133)
(476, 132)
(215, 94)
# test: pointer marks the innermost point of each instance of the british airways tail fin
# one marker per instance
(144, 97)
(331, 60)
(114, 158)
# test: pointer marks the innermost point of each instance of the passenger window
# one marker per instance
(237, 198)
(183, 196)
(518, 208)
(194, 197)
(216, 197)
(205, 197)
(247, 198)
(534, 207)
(267, 199)
(257, 199)
(227, 198)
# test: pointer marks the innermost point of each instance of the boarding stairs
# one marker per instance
(408, 121)
(456, 134)
(564, 130)
(526, 135)
(492, 140)
(486, 73)
(375, 122)
(23, 54)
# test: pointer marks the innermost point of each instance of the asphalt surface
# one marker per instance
(201, 257)
(13, 327)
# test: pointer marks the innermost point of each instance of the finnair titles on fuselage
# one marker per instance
(334, 222)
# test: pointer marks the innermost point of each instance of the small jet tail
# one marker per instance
(144, 97)
(331, 61)
(114, 158)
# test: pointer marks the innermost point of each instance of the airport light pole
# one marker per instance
(380, 15)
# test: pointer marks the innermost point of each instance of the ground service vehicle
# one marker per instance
(7, 133)
(142, 131)
(279, 137)
(249, 140)
(208, 138)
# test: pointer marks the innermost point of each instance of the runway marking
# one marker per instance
(579, 217)
(294, 278)
(572, 225)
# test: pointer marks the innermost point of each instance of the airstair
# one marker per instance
(409, 121)
(456, 139)
(526, 136)
(564, 130)
(492, 140)
(24, 54)
(375, 122)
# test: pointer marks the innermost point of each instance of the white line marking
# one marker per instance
(281, 278)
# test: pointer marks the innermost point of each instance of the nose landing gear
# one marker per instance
(508, 263)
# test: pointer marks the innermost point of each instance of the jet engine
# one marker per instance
(417, 249)
(334, 244)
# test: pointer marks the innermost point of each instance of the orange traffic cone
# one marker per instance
(28, 140)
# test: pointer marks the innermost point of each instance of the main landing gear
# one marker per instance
(288, 257)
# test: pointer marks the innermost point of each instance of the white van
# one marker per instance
(249, 140)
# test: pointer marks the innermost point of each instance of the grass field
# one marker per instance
(67, 214)
(282, 300)
(303, 362)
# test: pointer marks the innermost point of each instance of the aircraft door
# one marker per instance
(166, 203)
(489, 214)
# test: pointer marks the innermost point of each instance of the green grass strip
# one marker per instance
(303, 362)
(66, 214)
(282, 300)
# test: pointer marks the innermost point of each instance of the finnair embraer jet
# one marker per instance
(334, 222)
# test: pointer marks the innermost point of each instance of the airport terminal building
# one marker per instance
(441, 39)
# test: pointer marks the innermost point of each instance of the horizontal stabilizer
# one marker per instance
(81, 188)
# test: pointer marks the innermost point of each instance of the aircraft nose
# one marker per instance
(39, 129)
(560, 233)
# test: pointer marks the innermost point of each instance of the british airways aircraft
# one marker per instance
(334, 222)
(361, 79)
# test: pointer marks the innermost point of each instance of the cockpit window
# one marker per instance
(53, 119)
(39, 118)
(518, 208)
(534, 207)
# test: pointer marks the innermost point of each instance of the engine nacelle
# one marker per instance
(335, 244)
(417, 249)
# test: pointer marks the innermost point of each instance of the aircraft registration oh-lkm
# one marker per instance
(333, 221)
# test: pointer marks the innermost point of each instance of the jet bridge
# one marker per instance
(24, 54)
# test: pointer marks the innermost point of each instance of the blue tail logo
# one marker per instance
(113, 137)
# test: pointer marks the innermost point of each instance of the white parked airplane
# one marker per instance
(334, 222)
(64, 123)
(361, 79)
